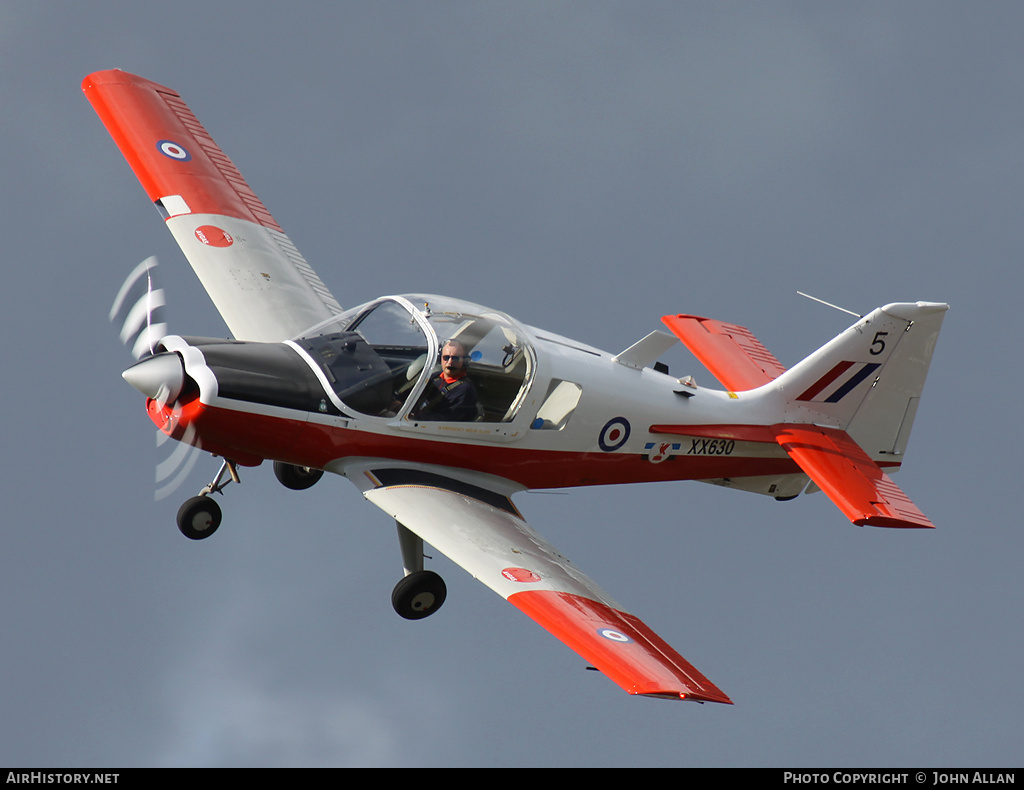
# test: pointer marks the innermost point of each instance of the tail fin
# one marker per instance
(868, 380)
(850, 405)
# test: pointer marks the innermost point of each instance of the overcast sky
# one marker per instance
(587, 167)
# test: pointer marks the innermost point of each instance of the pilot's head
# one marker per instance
(454, 358)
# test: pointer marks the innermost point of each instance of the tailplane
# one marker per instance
(855, 484)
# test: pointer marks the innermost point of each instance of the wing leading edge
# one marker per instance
(480, 530)
(258, 280)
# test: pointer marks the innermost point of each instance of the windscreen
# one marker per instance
(374, 365)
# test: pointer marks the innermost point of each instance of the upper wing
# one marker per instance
(733, 355)
(260, 284)
(480, 529)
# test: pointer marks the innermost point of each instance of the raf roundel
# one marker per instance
(173, 150)
(613, 635)
(614, 434)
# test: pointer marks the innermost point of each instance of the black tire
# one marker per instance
(199, 517)
(419, 595)
(297, 478)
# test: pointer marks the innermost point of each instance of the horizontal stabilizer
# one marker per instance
(854, 482)
(733, 355)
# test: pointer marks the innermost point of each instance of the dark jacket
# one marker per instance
(455, 402)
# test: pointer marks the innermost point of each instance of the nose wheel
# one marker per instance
(419, 595)
(199, 517)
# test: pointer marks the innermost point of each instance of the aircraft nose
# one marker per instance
(160, 377)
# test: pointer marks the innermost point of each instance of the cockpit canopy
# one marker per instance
(379, 358)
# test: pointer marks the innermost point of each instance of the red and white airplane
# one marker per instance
(358, 392)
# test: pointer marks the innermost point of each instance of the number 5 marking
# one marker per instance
(877, 345)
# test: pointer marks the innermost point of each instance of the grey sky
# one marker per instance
(588, 168)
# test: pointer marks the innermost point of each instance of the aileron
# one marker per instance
(619, 645)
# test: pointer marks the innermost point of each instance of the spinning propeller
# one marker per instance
(142, 325)
(160, 376)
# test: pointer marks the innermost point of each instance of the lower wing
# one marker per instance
(481, 530)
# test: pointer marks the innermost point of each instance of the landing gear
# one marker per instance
(297, 478)
(419, 595)
(199, 517)
(421, 592)
(217, 486)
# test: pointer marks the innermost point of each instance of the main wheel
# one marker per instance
(199, 517)
(297, 478)
(419, 595)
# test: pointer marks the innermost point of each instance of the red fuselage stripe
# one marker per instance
(246, 438)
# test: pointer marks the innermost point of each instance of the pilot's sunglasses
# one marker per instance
(448, 357)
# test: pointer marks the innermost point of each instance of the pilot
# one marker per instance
(450, 395)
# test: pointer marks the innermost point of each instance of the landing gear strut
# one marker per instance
(217, 486)
(421, 592)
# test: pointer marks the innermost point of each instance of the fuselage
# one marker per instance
(553, 412)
